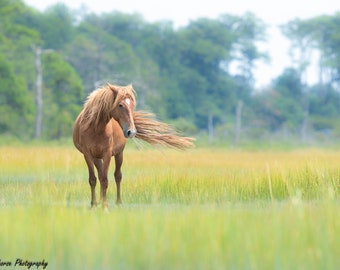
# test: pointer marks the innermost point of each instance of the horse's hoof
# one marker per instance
(94, 205)
(119, 202)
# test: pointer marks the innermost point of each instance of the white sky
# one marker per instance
(180, 12)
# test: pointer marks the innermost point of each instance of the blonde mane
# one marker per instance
(102, 101)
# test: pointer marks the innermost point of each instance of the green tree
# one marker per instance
(16, 60)
(281, 105)
(107, 58)
(248, 31)
(208, 47)
(15, 103)
(319, 33)
(129, 44)
(203, 46)
(17, 39)
(324, 107)
(55, 25)
(63, 95)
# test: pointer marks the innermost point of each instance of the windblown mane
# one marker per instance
(154, 132)
(102, 101)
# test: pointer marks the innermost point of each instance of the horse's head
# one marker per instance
(123, 108)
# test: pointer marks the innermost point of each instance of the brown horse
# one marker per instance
(102, 127)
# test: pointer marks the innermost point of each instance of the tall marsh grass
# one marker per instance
(200, 209)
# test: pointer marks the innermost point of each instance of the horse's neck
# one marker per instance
(99, 126)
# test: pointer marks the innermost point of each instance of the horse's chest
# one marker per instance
(108, 145)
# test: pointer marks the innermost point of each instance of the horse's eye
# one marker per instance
(120, 105)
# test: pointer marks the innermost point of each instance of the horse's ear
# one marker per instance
(114, 89)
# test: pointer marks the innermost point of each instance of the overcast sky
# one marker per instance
(180, 12)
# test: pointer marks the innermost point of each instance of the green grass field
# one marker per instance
(199, 209)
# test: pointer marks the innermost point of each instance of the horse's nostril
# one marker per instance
(130, 133)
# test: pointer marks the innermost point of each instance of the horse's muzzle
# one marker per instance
(130, 133)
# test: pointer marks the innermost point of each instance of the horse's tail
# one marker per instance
(155, 132)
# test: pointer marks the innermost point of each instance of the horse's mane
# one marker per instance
(102, 101)
(154, 132)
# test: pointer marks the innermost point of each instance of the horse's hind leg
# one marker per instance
(118, 175)
(92, 179)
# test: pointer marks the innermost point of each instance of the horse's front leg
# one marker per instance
(104, 183)
(118, 175)
(92, 179)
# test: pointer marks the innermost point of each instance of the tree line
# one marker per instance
(182, 75)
